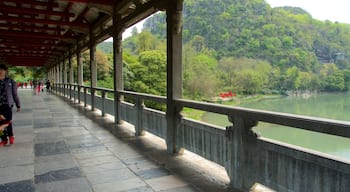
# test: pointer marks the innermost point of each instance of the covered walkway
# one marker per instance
(60, 146)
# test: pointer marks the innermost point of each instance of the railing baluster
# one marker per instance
(79, 89)
(70, 91)
(103, 110)
(85, 96)
(92, 99)
(139, 111)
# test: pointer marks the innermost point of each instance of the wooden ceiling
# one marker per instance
(41, 32)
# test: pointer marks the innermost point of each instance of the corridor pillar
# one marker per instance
(64, 71)
(80, 74)
(174, 72)
(93, 69)
(117, 66)
(71, 70)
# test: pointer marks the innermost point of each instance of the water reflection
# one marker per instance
(332, 106)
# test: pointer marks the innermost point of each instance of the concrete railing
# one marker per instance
(247, 157)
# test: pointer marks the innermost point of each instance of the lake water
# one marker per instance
(326, 105)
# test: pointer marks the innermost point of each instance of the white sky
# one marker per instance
(333, 10)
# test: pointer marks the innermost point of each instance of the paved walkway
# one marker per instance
(62, 147)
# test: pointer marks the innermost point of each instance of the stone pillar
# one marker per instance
(60, 73)
(93, 69)
(174, 72)
(71, 70)
(65, 77)
(242, 153)
(80, 69)
(117, 66)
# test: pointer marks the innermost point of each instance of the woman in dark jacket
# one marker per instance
(8, 98)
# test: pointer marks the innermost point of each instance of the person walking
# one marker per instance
(8, 98)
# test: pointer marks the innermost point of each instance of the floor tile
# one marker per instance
(55, 148)
(152, 173)
(20, 186)
(72, 185)
(16, 173)
(110, 176)
(167, 182)
(118, 186)
(58, 175)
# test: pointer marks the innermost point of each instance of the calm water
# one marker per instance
(333, 106)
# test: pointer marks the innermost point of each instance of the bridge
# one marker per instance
(61, 29)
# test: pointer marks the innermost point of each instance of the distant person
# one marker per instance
(38, 86)
(8, 98)
(48, 85)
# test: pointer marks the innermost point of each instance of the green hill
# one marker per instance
(106, 47)
(244, 46)
(284, 36)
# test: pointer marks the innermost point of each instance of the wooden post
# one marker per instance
(93, 69)
(80, 73)
(117, 65)
(65, 76)
(174, 72)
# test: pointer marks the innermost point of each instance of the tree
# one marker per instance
(335, 82)
(250, 82)
(149, 73)
(103, 65)
(145, 42)
(227, 68)
(292, 80)
(200, 81)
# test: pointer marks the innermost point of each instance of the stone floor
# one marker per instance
(63, 147)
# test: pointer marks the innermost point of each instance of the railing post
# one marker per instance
(79, 89)
(242, 155)
(139, 113)
(74, 93)
(103, 96)
(85, 96)
(70, 91)
(64, 90)
(92, 99)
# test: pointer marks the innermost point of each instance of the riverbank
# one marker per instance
(236, 101)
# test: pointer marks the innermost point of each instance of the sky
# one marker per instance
(333, 10)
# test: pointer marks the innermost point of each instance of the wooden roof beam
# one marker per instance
(4, 33)
(17, 10)
(24, 50)
(43, 21)
(30, 27)
(141, 12)
(101, 2)
(32, 45)
(32, 3)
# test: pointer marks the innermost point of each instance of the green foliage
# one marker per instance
(287, 38)
(335, 82)
(25, 74)
(244, 46)
(150, 73)
(104, 65)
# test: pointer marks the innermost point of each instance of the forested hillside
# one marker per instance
(285, 36)
(244, 46)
